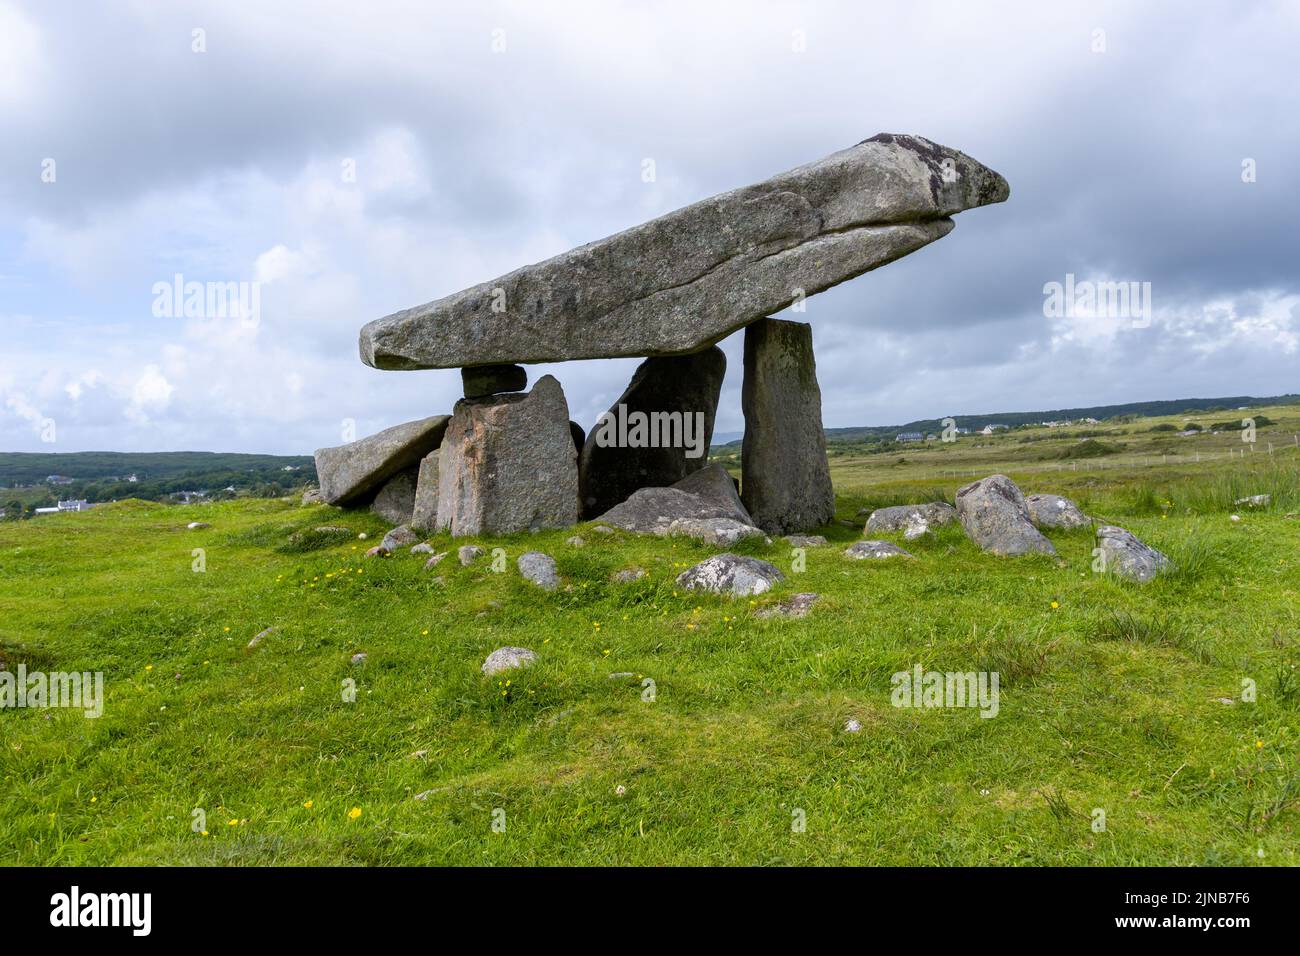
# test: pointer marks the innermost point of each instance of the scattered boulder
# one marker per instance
(312, 496)
(507, 658)
(706, 493)
(424, 510)
(786, 478)
(683, 281)
(995, 516)
(898, 517)
(395, 502)
(862, 550)
(723, 532)
(1053, 511)
(805, 540)
(1122, 553)
(399, 537)
(378, 551)
(917, 527)
(508, 463)
(481, 381)
(656, 433)
(468, 554)
(795, 606)
(732, 574)
(422, 548)
(434, 561)
(1255, 501)
(540, 569)
(354, 473)
(628, 575)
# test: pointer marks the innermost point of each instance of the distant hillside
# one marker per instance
(30, 468)
(1100, 412)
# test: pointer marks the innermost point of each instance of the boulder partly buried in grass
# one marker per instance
(996, 517)
(507, 658)
(732, 574)
(540, 569)
(898, 517)
(1053, 511)
(1124, 554)
(875, 550)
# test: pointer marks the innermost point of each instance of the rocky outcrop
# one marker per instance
(995, 516)
(786, 481)
(656, 433)
(354, 473)
(708, 493)
(1053, 511)
(508, 464)
(686, 280)
(1123, 554)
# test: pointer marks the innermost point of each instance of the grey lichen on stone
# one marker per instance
(995, 516)
(1125, 555)
(731, 574)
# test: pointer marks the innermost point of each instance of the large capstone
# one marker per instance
(657, 432)
(995, 516)
(785, 478)
(354, 473)
(508, 463)
(686, 280)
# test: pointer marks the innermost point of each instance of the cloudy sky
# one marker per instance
(485, 136)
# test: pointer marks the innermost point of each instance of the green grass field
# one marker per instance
(1112, 694)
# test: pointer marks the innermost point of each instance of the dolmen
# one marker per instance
(509, 459)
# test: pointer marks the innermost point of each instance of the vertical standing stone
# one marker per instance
(424, 514)
(785, 479)
(508, 463)
(642, 441)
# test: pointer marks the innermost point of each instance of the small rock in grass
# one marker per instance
(540, 569)
(422, 548)
(1053, 511)
(575, 542)
(312, 496)
(197, 525)
(258, 638)
(399, 537)
(732, 574)
(1225, 700)
(852, 726)
(628, 575)
(804, 540)
(507, 658)
(1255, 501)
(362, 536)
(378, 551)
(863, 550)
(360, 658)
(621, 675)
(1123, 554)
(434, 561)
(1234, 517)
(469, 553)
(795, 606)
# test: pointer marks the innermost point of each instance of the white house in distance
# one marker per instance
(990, 429)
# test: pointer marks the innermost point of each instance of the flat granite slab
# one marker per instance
(682, 282)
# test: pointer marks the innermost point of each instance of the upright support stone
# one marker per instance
(508, 463)
(658, 431)
(785, 479)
